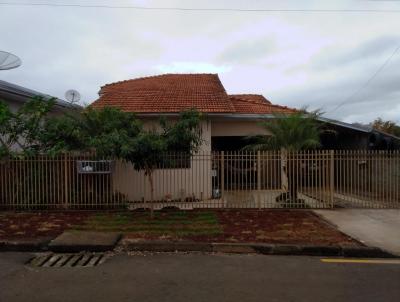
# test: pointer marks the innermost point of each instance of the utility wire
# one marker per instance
(202, 9)
(368, 81)
(183, 9)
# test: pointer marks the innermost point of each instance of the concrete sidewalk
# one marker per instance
(373, 227)
(76, 241)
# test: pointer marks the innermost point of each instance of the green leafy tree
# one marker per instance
(21, 130)
(183, 135)
(150, 147)
(5, 123)
(290, 133)
(386, 126)
(61, 134)
(107, 132)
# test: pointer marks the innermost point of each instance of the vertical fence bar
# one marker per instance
(396, 175)
(258, 195)
(332, 178)
(389, 181)
(222, 171)
(397, 179)
(66, 193)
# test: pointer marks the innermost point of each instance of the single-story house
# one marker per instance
(230, 117)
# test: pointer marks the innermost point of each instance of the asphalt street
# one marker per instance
(202, 277)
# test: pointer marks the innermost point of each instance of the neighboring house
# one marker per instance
(229, 117)
(356, 136)
(15, 96)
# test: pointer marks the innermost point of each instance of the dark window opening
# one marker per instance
(175, 161)
(229, 143)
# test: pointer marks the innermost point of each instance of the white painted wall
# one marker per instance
(179, 183)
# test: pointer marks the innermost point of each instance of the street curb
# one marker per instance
(80, 248)
(36, 245)
(165, 246)
(42, 245)
(255, 248)
(75, 246)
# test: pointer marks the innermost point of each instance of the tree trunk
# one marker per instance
(284, 166)
(150, 178)
(289, 175)
(293, 178)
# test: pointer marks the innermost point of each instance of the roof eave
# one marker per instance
(29, 93)
(343, 124)
(210, 114)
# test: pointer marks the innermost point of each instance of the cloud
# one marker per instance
(371, 48)
(378, 99)
(292, 58)
(247, 51)
(191, 67)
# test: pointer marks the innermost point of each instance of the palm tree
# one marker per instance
(289, 133)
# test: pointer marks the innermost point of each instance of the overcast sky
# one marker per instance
(297, 59)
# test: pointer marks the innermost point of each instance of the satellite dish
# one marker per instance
(9, 61)
(72, 96)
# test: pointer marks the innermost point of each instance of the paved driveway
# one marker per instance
(375, 227)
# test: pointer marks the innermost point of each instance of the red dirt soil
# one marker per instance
(268, 226)
(279, 226)
(36, 225)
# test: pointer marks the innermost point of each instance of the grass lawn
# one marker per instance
(166, 223)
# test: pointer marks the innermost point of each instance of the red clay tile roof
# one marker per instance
(167, 93)
(176, 92)
(256, 104)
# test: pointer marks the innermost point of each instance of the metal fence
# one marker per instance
(270, 179)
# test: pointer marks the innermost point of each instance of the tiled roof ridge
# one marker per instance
(243, 97)
(238, 96)
(159, 76)
(266, 103)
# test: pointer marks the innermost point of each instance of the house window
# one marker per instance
(175, 161)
